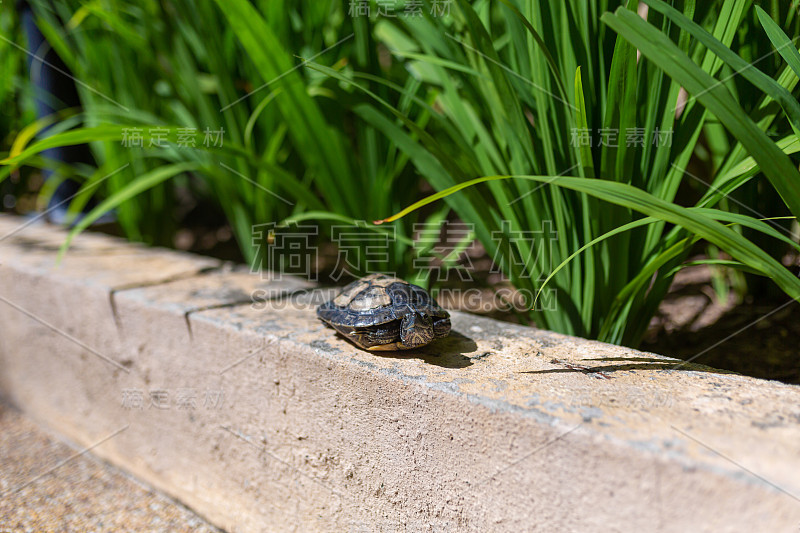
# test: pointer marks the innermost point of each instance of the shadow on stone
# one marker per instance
(633, 363)
(447, 353)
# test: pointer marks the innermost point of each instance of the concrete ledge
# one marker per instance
(260, 418)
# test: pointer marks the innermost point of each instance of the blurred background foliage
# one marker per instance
(333, 117)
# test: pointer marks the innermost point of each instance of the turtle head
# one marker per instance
(416, 329)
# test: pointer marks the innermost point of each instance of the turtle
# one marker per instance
(380, 312)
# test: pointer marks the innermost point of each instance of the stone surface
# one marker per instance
(242, 405)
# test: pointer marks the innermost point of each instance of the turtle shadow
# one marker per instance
(447, 352)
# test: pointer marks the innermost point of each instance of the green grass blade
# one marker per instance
(133, 189)
(739, 65)
(316, 142)
(785, 46)
(715, 97)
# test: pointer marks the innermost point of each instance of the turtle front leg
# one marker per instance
(441, 327)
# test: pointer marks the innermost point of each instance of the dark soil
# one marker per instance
(757, 337)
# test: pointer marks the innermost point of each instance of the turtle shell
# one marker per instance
(376, 304)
